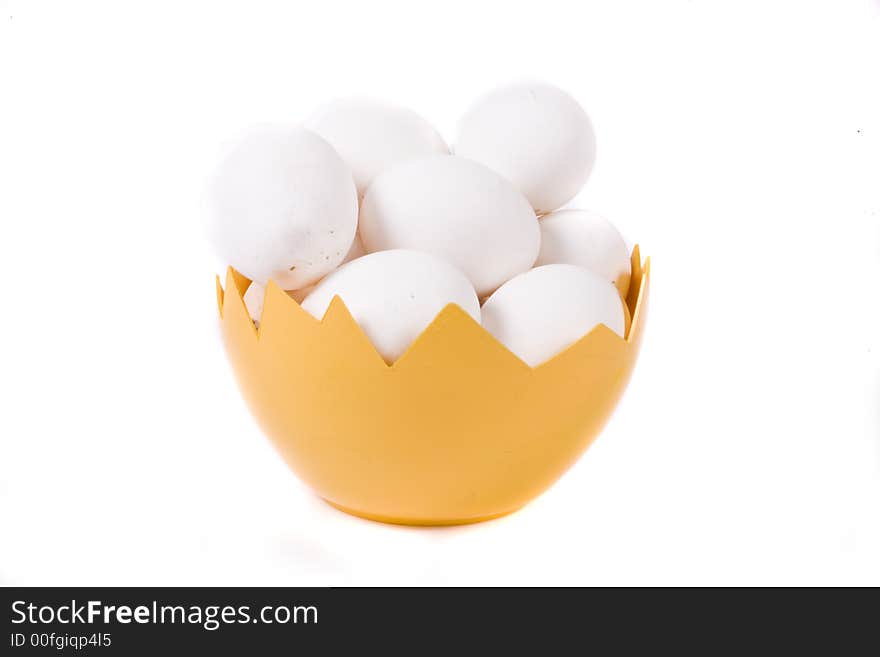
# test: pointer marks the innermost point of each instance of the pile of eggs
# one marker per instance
(366, 201)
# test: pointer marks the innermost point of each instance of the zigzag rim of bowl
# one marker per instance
(337, 314)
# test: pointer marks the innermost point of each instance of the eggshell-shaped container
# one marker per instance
(457, 430)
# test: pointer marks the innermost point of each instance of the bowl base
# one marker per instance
(418, 522)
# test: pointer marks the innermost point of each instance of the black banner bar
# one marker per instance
(149, 621)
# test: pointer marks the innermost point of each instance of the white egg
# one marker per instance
(583, 238)
(283, 207)
(372, 136)
(456, 209)
(394, 295)
(538, 314)
(535, 135)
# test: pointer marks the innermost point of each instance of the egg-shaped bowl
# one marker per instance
(457, 430)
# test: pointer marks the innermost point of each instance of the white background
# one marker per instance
(739, 144)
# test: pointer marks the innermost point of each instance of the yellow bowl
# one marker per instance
(457, 430)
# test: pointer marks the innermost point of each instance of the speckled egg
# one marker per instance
(283, 207)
